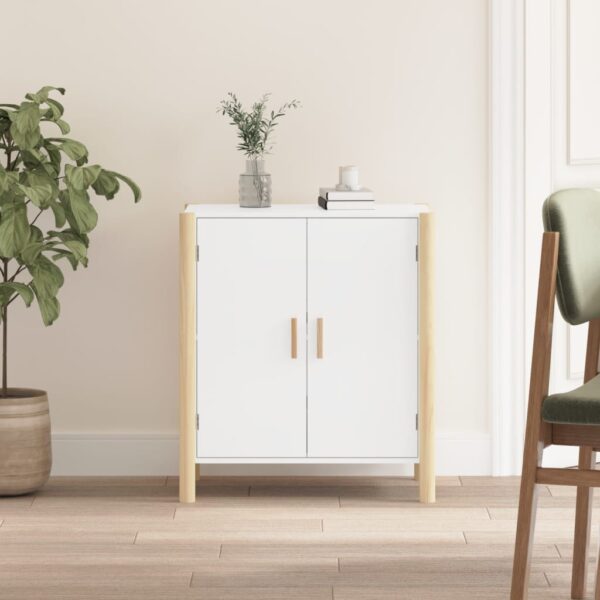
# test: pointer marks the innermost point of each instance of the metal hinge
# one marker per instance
(417, 253)
(197, 253)
(417, 422)
(197, 422)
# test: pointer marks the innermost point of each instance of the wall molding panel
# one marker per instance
(583, 104)
(545, 110)
(507, 214)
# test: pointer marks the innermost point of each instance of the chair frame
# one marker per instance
(539, 435)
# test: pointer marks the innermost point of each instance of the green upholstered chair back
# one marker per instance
(575, 214)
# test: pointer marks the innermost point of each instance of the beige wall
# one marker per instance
(398, 87)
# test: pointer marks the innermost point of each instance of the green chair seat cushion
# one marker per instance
(580, 406)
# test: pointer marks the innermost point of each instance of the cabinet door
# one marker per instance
(251, 283)
(362, 283)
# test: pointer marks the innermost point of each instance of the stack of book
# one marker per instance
(335, 199)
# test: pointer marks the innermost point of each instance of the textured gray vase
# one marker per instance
(255, 185)
(25, 452)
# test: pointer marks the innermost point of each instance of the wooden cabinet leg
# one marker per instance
(587, 460)
(197, 472)
(187, 481)
(416, 472)
(426, 360)
(187, 357)
(426, 480)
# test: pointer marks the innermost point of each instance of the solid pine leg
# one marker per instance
(416, 472)
(587, 460)
(187, 492)
(427, 482)
(426, 420)
(197, 472)
(187, 357)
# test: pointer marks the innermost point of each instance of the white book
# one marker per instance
(333, 194)
(346, 204)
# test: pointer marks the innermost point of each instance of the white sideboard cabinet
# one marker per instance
(306, 338)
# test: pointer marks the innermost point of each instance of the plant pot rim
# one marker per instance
(22, 393)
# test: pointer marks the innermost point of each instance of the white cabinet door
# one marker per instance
(362, 283)
(251, 282)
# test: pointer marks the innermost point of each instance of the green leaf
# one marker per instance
(4, 123)
(5, 295)
(31, 252)
(61, 253)
(55, 111)
(14, 229)
(26, 117)
(17, 288)
(137, 193)
(33, 158)
(63, 126)
(80, 178)
(34, 246)
(47, 277)
(74, 242)
(54, 156)
(7, 180)
(42, 94)
(47, 280)
(84, 214)
(25, 127)
(106, 185)
(73, 149)
(59, 213)
(35, 234)
(38, 194)
(49, 306)
(40, 189)
(78, 249)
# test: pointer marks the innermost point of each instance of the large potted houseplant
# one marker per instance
(254, 129)
(41, 171)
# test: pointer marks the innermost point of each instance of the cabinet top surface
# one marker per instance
(305, 211)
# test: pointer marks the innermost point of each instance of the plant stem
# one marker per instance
(10, 166)
(14, 275)
(37, 217)
(15, 161)
(5, 339)
(258, 183)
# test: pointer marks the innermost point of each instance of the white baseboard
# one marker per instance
(115, 453)
(157, 454)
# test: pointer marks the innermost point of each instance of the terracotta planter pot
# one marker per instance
(25, 452)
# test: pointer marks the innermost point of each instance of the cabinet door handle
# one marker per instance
(294, 337)
(320, 337)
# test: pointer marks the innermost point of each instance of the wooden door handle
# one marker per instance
(320, 337)
(294, 337)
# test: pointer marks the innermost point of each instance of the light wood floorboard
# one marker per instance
(117, 538)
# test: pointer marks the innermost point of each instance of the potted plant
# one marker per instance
(254, 128)
(41, 171)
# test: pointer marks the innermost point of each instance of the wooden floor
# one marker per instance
(277, 538)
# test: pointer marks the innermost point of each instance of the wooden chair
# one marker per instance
(569, 272)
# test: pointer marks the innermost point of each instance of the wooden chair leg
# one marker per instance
(587, 460)
(525, 527)
(597, 586)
